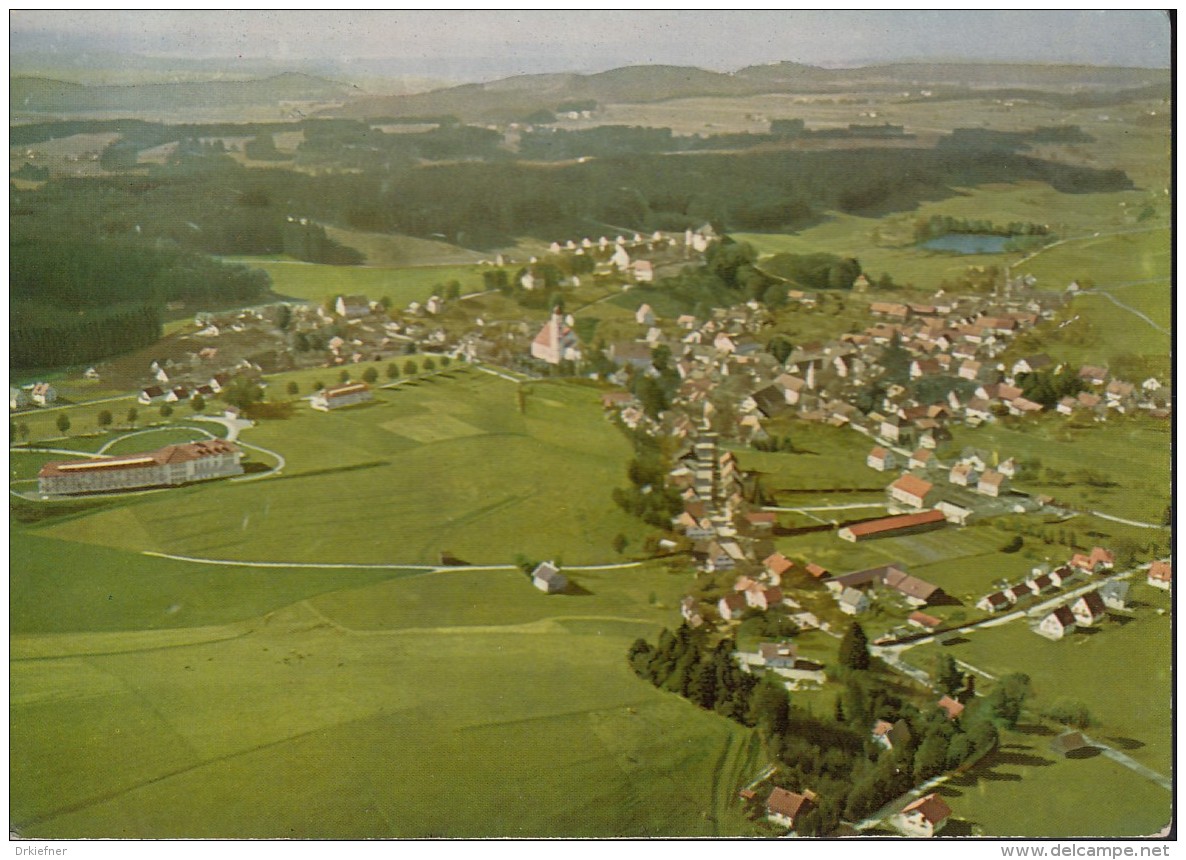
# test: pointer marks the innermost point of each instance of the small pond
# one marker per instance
(967, 243)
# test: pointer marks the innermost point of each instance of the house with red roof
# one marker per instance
(783, 807)
(777, 565)
(882, 459)
(897, 525)
(1161, 575)
(951, 707)
(924, 817)
(921, 619)
(912, 492)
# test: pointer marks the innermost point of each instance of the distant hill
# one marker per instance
(33, 95)
(514, 98)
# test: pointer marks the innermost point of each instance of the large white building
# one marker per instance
(166, 467)
(341, 395)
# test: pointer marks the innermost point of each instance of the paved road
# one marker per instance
(1121, 304)
(1133, 765)
(815, 508)
(1139, 525)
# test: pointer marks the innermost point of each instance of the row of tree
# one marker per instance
(835, 756)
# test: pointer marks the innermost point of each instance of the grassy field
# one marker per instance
(1121, 672)
(444, 463)
(338, 729)
(402, 284)
(383, 249)
(1025, 789)
(1131, 453)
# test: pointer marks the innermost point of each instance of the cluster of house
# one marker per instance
(854, 592)
(633, 258)
(154, 395)
(761, 589)
(955, 339)
(165, 467)
(921, 818)
(1043, 580)
(37, 394)
(934, 492)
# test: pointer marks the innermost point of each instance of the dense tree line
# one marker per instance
(230, 209)
(647, 496)
(942, 225)
(74, 301)
(833, 755)
(814, 271)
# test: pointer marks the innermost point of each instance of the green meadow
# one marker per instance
(366, 712)
(316, 283)
(443, 463)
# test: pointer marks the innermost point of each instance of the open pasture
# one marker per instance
(312, 282)
(341, 734)
(1023, 788)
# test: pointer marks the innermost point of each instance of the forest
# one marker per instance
(142, 235)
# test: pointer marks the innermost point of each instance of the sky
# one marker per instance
(477, 44)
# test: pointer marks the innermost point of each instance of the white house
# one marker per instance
(853, 601)
(1057, 624)
(1089, 609)
(548, 579)
(341, 395)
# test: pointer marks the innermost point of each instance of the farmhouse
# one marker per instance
(783, 807)
(918, 592)
(778, 655)
(904, 524)
(731, 606)
(166, 467)
(912, 492)
(548, 579)
(924, 817)
(951, 707)
(43, 394)
(889, 734)
(341, 395)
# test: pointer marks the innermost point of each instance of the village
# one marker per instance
(903, 382)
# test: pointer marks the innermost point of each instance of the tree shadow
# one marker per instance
(957, 827)
(953, 640)
(1021, 760)
(1122, 620)
(995, 776)
(1126, 743)
(1034, 729)
(1085, 752)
